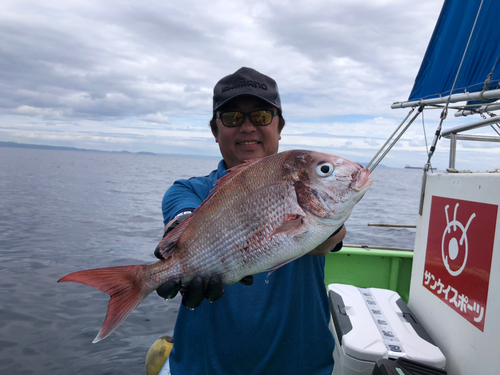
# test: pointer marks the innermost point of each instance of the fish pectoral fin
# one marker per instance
(165, 248)
(291, 227)
(167, 244)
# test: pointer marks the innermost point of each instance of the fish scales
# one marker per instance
(260, 216)
(245, 248)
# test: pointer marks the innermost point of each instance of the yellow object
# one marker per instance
(158, 354)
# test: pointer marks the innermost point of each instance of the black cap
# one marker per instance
(246, 81)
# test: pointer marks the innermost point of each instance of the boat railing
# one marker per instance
(455, 98)
(454, 135)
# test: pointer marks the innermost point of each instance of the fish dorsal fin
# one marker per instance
(233, 172)
(167, 244)
(293, 226)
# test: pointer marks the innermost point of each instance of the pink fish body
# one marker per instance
(260, 216)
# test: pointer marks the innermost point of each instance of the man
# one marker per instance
(278, 325)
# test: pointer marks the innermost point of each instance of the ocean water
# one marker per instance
(63, 211)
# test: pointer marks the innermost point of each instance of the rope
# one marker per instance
(425, 135)
(425, 138)
(466, 48)
(488, 80)
(494, 66)
(444, 113)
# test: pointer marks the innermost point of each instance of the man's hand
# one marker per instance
(196, 290)
(332, 243)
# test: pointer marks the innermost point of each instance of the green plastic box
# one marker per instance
(371, 268)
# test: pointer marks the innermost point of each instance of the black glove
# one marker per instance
(337, 247)
(340, 244)
(193, 294)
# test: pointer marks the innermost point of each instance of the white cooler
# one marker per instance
(370, 324)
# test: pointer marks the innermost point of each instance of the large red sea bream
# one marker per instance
(260, 216)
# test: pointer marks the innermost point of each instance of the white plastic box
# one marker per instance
(370, 324)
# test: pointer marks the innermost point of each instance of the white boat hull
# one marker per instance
(455, 285)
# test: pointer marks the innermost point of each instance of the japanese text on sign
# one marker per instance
(461, 301)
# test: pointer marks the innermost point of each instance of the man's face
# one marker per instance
(247, 141)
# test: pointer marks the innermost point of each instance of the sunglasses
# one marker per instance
(261, 117)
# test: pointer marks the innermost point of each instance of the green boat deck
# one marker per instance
(366, 267)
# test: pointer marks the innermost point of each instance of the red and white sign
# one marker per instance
(458, 256)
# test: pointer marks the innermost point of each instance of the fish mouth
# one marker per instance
(362, 181)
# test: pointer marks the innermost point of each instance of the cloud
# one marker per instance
(371, 142)
(141, 74)
(157, 118)
(46, 113)
(347, 144)
(116, 59)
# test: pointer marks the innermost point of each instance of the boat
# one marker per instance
(408, 166)
(450, 280)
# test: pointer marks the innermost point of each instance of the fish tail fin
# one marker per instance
(125, 287)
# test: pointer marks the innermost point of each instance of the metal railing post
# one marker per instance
(453, 150)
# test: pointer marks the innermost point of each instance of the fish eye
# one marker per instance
(325, 169)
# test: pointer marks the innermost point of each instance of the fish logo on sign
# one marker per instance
(458, 255)
(451, 248)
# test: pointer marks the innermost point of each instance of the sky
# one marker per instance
(139, 75)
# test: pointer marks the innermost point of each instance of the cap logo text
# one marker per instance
(244, 83)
